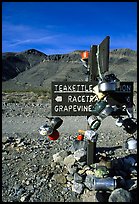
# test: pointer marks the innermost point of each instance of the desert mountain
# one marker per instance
(32, 69)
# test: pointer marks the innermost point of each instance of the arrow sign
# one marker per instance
(77, 98)
(58, 98)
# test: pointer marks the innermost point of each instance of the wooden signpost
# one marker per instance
(98, 63)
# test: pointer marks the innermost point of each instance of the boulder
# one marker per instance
(120, 195)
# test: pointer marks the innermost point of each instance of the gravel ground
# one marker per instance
(27, 167)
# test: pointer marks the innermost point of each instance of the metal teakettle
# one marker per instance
(55, 122)
(131, 143)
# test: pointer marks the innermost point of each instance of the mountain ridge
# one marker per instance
(33, 69)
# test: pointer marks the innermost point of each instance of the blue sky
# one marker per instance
(62, 27)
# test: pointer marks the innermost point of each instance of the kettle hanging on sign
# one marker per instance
(131, 143)
(50, 129)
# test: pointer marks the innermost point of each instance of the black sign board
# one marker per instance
(72, 98)
(99, 57)
(104, 55)
(77, 98)
(122, 96)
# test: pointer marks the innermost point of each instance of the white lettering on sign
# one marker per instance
(77, 98)
(125, 88)
(80, 99)
(74, 108)
(128, 99)
(75, 88)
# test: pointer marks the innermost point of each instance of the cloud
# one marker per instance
(54, 40)
(16, 35)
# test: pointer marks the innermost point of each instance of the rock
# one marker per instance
(59, 157)
(4, 139)
(27, 182)
(18, 190)
(53, 165)
(35, 168)
(23, 198)
(59, 178)
(101, 171)
(78, 178)
(89, 172)
(69, 160)
(72, 169)
(89, 182)
(120, 195)
(81, 171)
(18, 140)
(20, 144)
(77, 187)
(64, 170)
(78, 145)
(80, 155)
(86, 167)
(81, 164)
(89, 196)
(70, 177)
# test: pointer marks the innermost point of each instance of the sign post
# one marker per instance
(98, 63)
(77, 98)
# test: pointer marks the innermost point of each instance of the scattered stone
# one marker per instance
(59, 157)
(89, 196)
(89, 182)
(23, 198)
(77, 187)
(81, 164)
(18, 140)
(78, 145)
(69, 160)
(59, 178)
(72, 169)
(89, 172)
(4, 139)
(120, 195)
(86, 167)
(78, 178)
(41, 171)
(80, 155)
(27, 182)
(20, 144)
(70, 177)
(81, 171)
(101, 172)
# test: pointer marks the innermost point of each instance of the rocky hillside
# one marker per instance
(33, 69)
(123, 62)
(15, 63)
